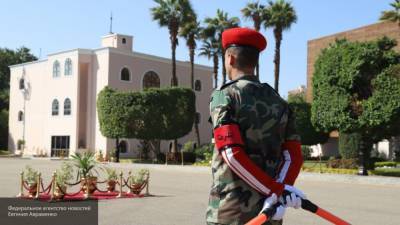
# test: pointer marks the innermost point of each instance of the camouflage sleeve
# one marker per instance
(221, 108)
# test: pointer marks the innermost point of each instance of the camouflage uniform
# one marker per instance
(265, 122)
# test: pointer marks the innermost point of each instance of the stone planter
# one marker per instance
(89, 184)
(111, 185)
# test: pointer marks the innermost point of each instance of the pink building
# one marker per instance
(53, 101)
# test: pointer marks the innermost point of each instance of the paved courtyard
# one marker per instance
(181, 195)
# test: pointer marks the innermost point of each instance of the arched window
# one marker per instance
(56, 69)
(20, 116)
(68, 67)
(123, 147)
(197, 85)
(22, 84)
(67, 106)
(151, 80)
(125, 74)
(54, 107)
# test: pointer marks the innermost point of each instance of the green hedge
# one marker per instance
(385, 164)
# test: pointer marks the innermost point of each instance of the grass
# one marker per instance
(4, 152)
(391, 172)
(314, 166)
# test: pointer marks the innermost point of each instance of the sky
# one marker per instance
(49, 26)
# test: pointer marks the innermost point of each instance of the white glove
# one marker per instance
(292, 189)
(270, 202)
(294, 198)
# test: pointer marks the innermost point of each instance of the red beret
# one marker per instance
(243, 37)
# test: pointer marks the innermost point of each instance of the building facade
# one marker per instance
(366, 33)
(53, 101)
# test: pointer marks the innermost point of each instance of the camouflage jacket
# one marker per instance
(265, 122)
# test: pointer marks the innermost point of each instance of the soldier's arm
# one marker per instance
(230, 145)
(293, 158)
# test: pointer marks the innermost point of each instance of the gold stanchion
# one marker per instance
(129, 182)
(147, 185)
(120, 185)
(38, 186)
(86, 193)
(21, 191)
(53, 186)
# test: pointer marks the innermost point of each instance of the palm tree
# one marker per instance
(392, 15)
(279, 15)
(210, 50)
(190, 31)
(214, 28)
(254, 11)
(171, 14)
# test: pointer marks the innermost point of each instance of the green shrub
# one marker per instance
(349, 144)
(188, 146)
(204, 151)
(385, 164)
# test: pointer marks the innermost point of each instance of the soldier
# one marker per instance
(257, 155)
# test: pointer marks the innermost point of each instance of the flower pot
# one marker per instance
(136, 188)
(32, 189)
(111, 185)
(89, 184)
(59, 191)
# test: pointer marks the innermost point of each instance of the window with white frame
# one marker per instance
(54, 107)
(68, 67)
(56, 69)
(67, 106)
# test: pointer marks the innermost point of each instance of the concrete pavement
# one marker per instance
(181, 195)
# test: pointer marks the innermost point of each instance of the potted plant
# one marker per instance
(86, 164)
(112, 178)
(63, 176)
(137, 180)
(30, 177)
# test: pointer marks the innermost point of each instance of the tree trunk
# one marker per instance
(223, 67)
(155, 147)
(277, 57)
(117, 151)
(173, 37)
(215, 59)
(257, 26)
(191, 55)
(365, 155)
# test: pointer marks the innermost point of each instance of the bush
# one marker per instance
(349, 144)
(385, 164)
(188, 146)
(342, 163)
(204, 151)
(306, 151)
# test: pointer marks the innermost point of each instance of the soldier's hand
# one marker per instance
(271, 202)
(291, 197)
